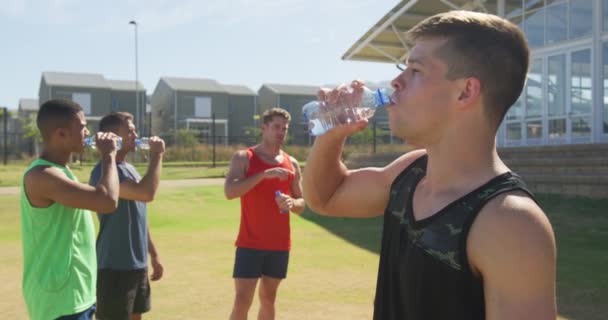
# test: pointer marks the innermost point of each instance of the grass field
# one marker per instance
(11, 174)
(333, 262)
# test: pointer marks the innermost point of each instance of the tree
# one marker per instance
(186, 138)
(30, 128)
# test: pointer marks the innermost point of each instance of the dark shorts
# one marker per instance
(121, 293)
(83, 315)
(253, 263)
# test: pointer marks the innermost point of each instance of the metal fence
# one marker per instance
(17, 147)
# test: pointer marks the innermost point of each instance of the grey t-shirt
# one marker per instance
(122, 243)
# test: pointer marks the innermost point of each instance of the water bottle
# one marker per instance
(90, 142)
(322, 117)
(276, 195)
(142, 143)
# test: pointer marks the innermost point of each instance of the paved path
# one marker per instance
(4, 191)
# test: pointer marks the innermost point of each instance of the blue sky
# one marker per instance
(247, 42)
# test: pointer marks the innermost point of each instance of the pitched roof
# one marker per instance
(125, 85)
(291, 89)
(239, 90)
(71, 79)
(28, 104)
(193, 84)
(386, 41)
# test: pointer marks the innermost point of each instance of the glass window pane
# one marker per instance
(514, 8)
(532, 4)
(557, 128)
(581, 18)
(514, 131)
(556, 85)
(580, 91)
(557, 23)
(605, 81)
(605, 5)
(534, 27)
(534, 87)
(581, 127)
(516, 110)
(534, 129)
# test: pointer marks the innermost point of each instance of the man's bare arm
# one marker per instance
(157, 267)
(145, 190)
(237, 184)
(46, 185)
(512, 245)
(331, 189)
(298, 203)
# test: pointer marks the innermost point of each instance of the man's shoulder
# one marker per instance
(242, 155)
(403, 162)
(511, 217)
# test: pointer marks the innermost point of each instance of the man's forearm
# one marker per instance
(235, 189)
(298, 205)
(151, 246)
(109, 177)
(324, 170)
(151, 179)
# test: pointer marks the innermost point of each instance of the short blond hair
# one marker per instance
(278, 112)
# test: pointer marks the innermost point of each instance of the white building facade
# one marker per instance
(565, 100)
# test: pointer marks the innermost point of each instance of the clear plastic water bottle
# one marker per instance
(276, 195)
(142, 143)
(90, 142)
(322, 117)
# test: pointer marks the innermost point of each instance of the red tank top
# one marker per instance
(263, 226)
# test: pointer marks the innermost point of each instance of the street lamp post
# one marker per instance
(137, 109)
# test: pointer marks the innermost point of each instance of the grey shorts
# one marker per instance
(254, 263)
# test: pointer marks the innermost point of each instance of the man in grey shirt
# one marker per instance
(123, 243)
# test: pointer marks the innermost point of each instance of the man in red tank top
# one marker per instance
(267, 180)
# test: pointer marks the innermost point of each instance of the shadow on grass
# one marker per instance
(581, 231)
(365, 233)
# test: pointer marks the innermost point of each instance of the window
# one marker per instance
(605, 14)
(534, 89)
(580, 91)
(556, 85)
(557, 23)
(84, 100)
(581, 18)
(605, 82)
(202, 107)
(534, 27)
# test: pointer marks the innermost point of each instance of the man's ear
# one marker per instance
(470, 91)
(61, 132)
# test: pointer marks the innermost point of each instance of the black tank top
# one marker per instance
(424, 271)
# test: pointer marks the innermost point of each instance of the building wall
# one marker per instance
(564, 101)
(266, 99)
(162, 104)
(186, 105)
(241, 116)
(125, 101)
(100, 98)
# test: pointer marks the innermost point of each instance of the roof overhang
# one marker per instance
(386, 40)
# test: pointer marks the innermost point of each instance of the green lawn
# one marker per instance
(11, 174)
(333, 262)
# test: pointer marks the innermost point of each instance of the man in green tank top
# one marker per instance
(59, 261)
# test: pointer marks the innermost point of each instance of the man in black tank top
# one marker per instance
(463, 238)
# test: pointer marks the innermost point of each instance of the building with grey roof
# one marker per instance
(290, 98)
(242, 110)
(191, 103)
(97, 95)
